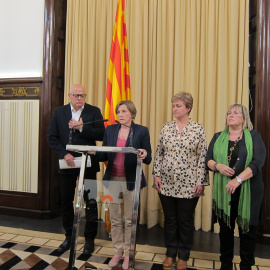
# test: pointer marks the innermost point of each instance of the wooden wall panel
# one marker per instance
(52, 97)
(263, 101)
(259, 83)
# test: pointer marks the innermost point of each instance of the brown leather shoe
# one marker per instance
(168, 263)
(181, 265)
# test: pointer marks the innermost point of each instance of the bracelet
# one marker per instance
(215, 166)
(239, 180)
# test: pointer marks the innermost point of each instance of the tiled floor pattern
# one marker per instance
(26, 249)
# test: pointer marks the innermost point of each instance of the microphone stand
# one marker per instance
(70, 136)
(87, 123)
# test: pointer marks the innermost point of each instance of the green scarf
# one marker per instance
(221, 198)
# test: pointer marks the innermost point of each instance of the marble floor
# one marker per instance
(149, 248)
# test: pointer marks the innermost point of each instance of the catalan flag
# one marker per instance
(118, 83)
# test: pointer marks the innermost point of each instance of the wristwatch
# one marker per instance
(239, 180)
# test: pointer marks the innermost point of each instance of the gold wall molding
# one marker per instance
(20, 91)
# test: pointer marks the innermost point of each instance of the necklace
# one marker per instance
(229, 157)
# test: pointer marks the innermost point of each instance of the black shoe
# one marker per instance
(65, 245)
(89, 246)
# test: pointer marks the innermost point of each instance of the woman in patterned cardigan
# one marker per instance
(179, 177)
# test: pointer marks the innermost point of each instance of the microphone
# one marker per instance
(131, 133)
(87, 123)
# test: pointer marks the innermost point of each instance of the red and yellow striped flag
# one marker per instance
(118, 83)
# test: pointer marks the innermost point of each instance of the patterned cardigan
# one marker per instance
(180, 159)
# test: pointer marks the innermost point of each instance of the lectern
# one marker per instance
(79, 197)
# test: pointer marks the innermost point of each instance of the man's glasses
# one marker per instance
(78, 95)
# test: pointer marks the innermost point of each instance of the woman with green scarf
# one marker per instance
(236, 155)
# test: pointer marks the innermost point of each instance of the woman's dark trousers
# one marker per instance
(247, 242)
(178, 225)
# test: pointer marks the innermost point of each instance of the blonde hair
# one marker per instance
(244, 111)
(130, 106)
(185, 97)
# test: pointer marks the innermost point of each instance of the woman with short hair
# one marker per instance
(121, 173)
(179, 177)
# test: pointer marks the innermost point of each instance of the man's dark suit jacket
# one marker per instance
(58, 133)
(141, 139)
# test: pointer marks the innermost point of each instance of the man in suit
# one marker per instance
(65, 118)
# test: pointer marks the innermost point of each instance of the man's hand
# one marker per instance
(73, 123)
(69, 160)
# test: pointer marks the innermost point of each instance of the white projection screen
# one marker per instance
(21, 35)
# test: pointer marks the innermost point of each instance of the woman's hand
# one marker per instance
(142, 154)
(225, 170)
(157, 183)
(199, 189)
(232, 186)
